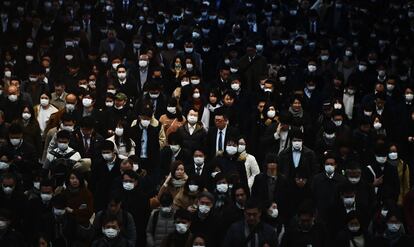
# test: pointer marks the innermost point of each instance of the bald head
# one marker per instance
(12, 90)
(71, 98)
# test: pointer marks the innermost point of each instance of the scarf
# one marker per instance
(297, 114)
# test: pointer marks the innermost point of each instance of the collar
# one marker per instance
(122, 82)
(330, 176)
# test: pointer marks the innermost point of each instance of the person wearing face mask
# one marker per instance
(326, 139)
(124, 145)
(325, 186)
(394, 234)
(23, 154)
(124, 83)
(173, 118)
(353, 234)
(34, 86)
(111, 230)
(182, 234)
(111, 45)
(251, 66)
(103, 174)
(161, 221)
(145, 132)
(296, 156)
(86, 139)
(402, 169)
(155, 96)
(235, 211)
(382, 175)
(189, 51)
(192, 133)
(186, 198)
(363, 77)
(31, 131)
(136, 202)
(43, 111)
(250, 163)
(10, 236)
(173, 151)
(13, 103)
(120, 111)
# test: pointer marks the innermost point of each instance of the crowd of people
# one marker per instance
(177, 123)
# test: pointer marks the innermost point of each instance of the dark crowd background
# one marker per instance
(206, 123)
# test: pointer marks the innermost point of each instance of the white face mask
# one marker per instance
(192, 119)
(115, 65)
(154, 95)
(198, 160)
(297, 145)
(390, 87)
(172, 109)
(222, 188)
(338, 123)
(231, 150)
(192, 187)
(329, 169)
(86, 102)
(271, 114)
(145, 123)
(189, 66)
(44, 102)
(109, 103)
(62, 146)
(393, 227)
(15, 141)
(121, 75)
(348, 201)
(337, 106)
(362, 68)
(107, 157)
(110, 232)
(381, 159)
(274, 212)
(143, 63)
(241, 148)
(70, 107)
(166, 210)
(204, 209)
(119, 131)
(188, 49)
(4, 165)
(377, 125)
(7, 74)
(195, 81)
(12, 97)
(181, 228)
(354, 228)
(311, 68)
(409, 97)
(58, 212)
(175, 148)
(393, 155)
(46, 197)
(354, 180)
(196, 95)
(128, 185)
(170, 45)
(104, 59)
(185, 83)
(233, 70)
(26, 116)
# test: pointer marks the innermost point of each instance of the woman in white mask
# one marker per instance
(403, 171)
(172, 119)
(186, 198)
(250, 163)
(31, 130)
(124, 145)
(43, 111)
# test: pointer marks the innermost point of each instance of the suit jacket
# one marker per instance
(94, 145)
(236, 235)
(119, 46)
(307, 162)
(129, 88)
(205, 173)
(194, 141)
(212, 137)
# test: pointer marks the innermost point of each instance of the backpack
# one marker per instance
(61, 165)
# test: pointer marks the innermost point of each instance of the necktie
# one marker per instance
(198, 170)
(220, 140)
(86, 145)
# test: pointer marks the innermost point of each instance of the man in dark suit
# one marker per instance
(270, 186)
(251, 231)
(145, 131)
(111, 45)
(251, 67)
(217, 135)
(192, 133)
(198, 168)
(125, 83)
(86, 141)
(155, 97)
(297, 156)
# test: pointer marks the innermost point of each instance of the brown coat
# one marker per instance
(82, 204)
(183, 200)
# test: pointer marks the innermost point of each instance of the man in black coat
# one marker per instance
(197, 167)
(86, 140)
(297, 156)
(251, 67)
(125, 83)
(192, 133)
(251, 231)
(271, 186)
(104, 172)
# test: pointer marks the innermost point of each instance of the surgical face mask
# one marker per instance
(362, 68)
(109, 103)
(297, 145)
(121, 75)
(193, 187)
(107, 156)
(207, 49)
(274, 212)
(143, 63)
(192, 119)
(222, 188)
(46, 197)
(348, 53)
(390, 87)
(329, 136)
(271, 114)
(311, 68)
(195, 81)
(44, 102)
(198, 160)
(145, 123)
(188, 49)
(204, 209)
(213, 174)
(297, 47)
(311, 87)
(184, 83)
(115, 65)
(195, 35)
(36, 185)
(172, 109)
(110, 232)
(189, 66)
(174, 148)
(70, 107)
(377, 125)
(409, 97)
(381, 159)
(62, 146)
(282, 78)
(196, 95)
(348, 201)
(4, 165)
(329, 169)
(354, 228)
(154, 95)
(26, 116)
(354, 180)
(104, 59)
(241, 148)
(338, 123)
(86, 102)
(170, 45)
(3, 224)
(159, 44)
(68, 57)
(231, 150)
(135, 167)
(12, 97)
(58, 212)
(233, 70)
(29, 58)
(181, 228)
(368, 113)
(15, 141)
(92, 84)
(7, 74)
(324, 57)
(128, 185)
(119, 131)
(393, 227)
(8, 190)
(393, 155)
(338, 106)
